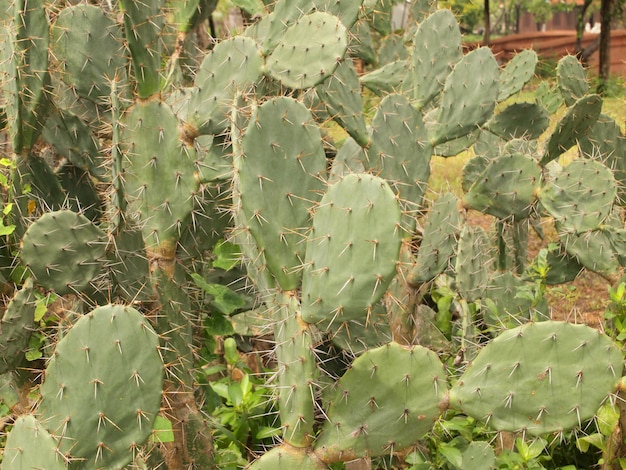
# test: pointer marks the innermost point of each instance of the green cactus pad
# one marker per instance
(563, 267)
(129, 267)
(309, 51)
(143, 23)
(519, 120)
(356, 337)
(436, 49)
(74, 139)
(184, 13)
(506, 188)
(297, 372)
(286, 457)
(352, 252)
(102, 389)
(341, 94)
(593, 249)
(154, 159)
(549, 97)
(24, 69)
(175, 328)
(288, 12)
(350, 158)
(580, 196)
(399, 404)
(380, 16)
(456, 146)
(577, 122)
(518, 71)
(63, 250)
(539, 378)
(89, 48)
(472, 170)
(400, 152)
(361, 42)
(16, 327)
(392, 49)
(233, 65)
(571, 79)
(606, 142)
(468, 98)
(474, 262)
(280, 181)
(438, 245)
(389, 78)
(30, 446)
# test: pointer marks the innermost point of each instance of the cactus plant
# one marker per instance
(330, 246)
(87, 379)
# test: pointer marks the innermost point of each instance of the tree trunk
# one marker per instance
(580, 27)
(487, 33)
(606, 10)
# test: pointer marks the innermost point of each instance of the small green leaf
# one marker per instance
(163, 431)
(230, 351)
(228, 255)
(235, 394)
(451, 454)
(34, 347)
(225, 300)
(40, 310)
(218, 325)
(596, 440)
(264, 432)
(6, 229)
(607, 418)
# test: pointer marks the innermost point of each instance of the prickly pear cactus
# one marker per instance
(29, 445)
(16, 326)
(352, 251)
(102, 387)
(280, 178)
(539, 378)
(64, 251)
(399, 405)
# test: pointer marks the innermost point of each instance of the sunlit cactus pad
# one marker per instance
(387, 400)
(540, 378)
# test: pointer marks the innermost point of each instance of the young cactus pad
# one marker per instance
(309, 51)
(352, 252)
(399, 404)
(539, 378)
(231, 66)
(29, 445)
(102, 388)
(63, 250)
